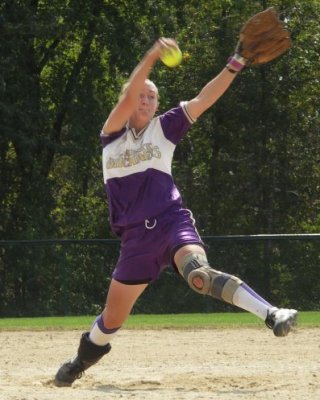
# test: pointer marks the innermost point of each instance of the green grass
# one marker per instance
(165, 321)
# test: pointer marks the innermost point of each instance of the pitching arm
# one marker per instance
(129, 99)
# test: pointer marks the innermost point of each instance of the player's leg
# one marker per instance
(192, 264)
(120, 300)
(96, 343)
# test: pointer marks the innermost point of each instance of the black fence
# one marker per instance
(71, 277)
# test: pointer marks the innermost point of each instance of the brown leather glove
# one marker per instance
(263, 38)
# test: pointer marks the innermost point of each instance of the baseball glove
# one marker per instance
(262, 38)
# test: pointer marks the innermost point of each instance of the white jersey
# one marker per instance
(137, 168)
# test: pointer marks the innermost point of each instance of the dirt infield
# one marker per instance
(168, 364)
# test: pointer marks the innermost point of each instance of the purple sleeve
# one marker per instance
(107, 139)
(175, 123)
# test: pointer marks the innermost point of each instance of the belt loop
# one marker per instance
(147, 224)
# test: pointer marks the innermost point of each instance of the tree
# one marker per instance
(252, 160)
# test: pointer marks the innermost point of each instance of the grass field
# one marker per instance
(307, 319)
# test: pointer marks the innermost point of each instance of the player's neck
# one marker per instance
(138, 127)
(138, 132)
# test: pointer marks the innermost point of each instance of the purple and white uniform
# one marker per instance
(145, 206)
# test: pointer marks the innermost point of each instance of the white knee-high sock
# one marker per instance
(246, 298)
(100, 334)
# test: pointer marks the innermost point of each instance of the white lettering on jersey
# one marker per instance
(133, 157)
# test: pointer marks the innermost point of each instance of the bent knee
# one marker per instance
(207, 281)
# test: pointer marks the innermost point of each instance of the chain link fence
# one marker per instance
(71, 277)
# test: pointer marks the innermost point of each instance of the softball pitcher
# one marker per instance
(146, 209)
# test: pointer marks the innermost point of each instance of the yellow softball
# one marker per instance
(171, 58)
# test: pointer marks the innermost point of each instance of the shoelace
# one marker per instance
(76, 370)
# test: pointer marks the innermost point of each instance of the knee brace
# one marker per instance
(217, 284)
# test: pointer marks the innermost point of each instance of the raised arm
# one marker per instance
(262, 38)
(210, 93)
(129, 99)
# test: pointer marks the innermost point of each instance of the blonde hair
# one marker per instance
(148, 81)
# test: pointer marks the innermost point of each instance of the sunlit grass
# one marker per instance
(163, 321)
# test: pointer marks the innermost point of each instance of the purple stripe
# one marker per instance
(174, 124)
(254, 294)
(104, 329)
(107, 139)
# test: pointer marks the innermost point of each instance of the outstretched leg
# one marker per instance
(192, 264)
(96, 343)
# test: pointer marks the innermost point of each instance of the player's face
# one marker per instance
(148, 103)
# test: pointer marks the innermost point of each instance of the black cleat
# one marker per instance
(88, 354)
(69, 372)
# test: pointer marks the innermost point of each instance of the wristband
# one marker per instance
(236, 63)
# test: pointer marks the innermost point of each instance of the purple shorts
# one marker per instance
(148, 248)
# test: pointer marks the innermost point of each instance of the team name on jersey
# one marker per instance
(133, 157)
